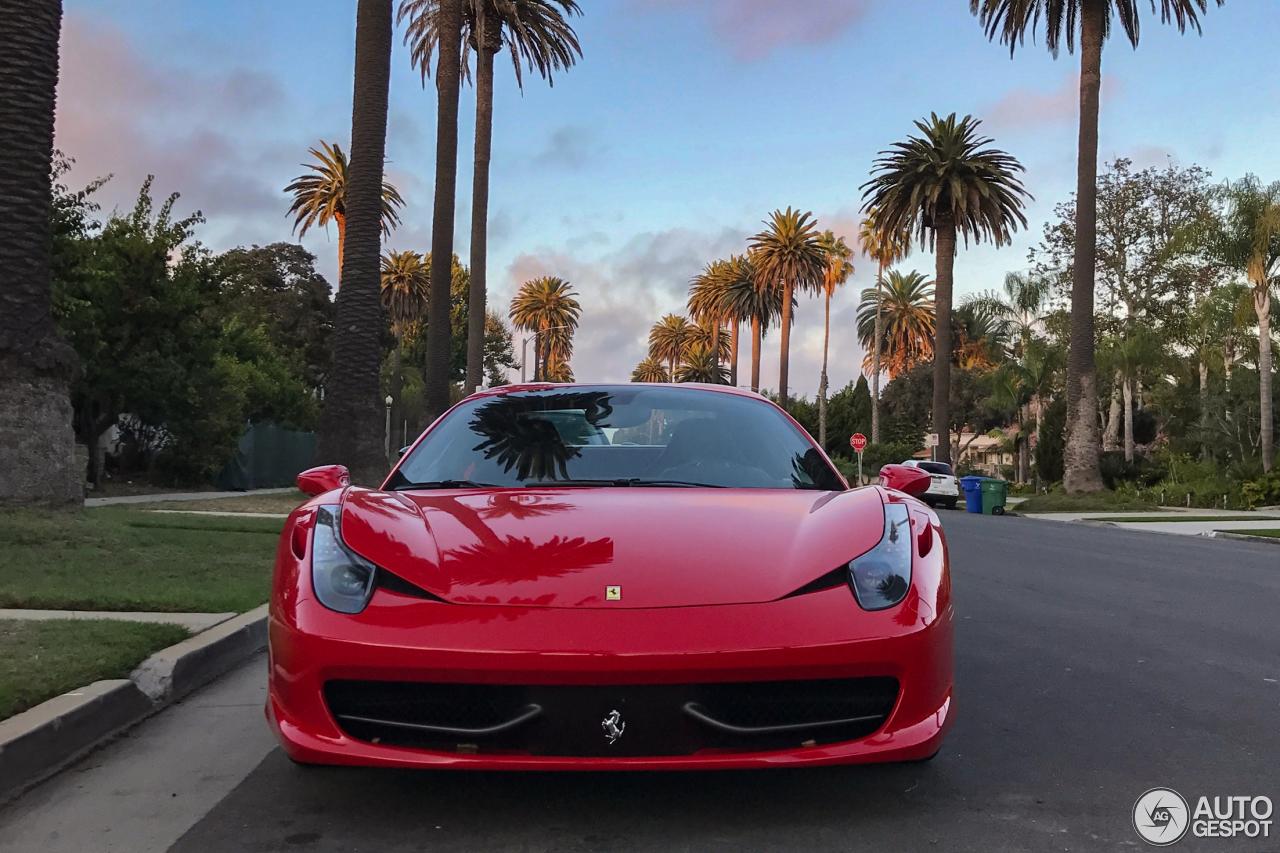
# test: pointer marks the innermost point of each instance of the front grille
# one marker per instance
(660, 719)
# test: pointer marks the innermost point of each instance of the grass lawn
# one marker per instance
(121, 558)
(1173, 516)
(1270, 534)
(1089, 502)
(40, 660)
(283, 503)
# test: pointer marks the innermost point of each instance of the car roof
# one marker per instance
(578, 386)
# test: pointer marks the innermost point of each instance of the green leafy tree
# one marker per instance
(939, 185)
(669, 341)
(547, 306)
(789, 259)
(405, 287)
(534, 32)
(701, 365)
(708, 307)
(650, 370)
(36, 365)
(752, 305)
(1091, 22)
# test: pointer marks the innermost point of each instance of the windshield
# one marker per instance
(936, 468)
(625, 436)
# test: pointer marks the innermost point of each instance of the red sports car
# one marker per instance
(611, 577)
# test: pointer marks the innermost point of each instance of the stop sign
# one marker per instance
(858, 442)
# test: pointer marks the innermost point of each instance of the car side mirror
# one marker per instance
(404, 450)
(326, 478)
(905, 478)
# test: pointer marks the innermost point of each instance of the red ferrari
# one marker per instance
(611, 577)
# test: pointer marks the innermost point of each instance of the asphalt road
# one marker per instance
(1091, 665)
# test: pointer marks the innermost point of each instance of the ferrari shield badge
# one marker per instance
(613, 726)
(613, 593)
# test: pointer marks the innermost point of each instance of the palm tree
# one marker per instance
(547, 307)
(1130, 356)
(940, 185)
(321, 197)
(886, 249)
(534, 31)
(906, 310)
(650, 370)
(788, 257)
(708, 308)
(1247, 239)
(406, 284)
(710, 338)
(746, 303)
(448, 43)
(838, 270)
(1012, 20)
(669, 341)
(700, 365)
(351, 425)
(1010, 394)
(37, 455)
(1021, 306)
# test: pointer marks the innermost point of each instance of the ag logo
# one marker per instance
(613, 593)
(613, 726)
(1161, 817)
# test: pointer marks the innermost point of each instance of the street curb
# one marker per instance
(1224, 534)
(38, 743)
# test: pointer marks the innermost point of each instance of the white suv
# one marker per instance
(944, 485)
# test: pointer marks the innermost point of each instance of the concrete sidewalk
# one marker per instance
(179, 496)
(1181, 522)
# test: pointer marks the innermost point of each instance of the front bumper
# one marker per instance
(403, 639)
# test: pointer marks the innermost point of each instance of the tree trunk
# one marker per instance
(340, 219)
(944, 281)
(784, 354)
(733, 353)
(487, 29)
(351, 426)
(1111, 438)
(1128, 420)
(1081, 453)
(715, 348)
(875, 357)
(756, 335)
(822, 382)
(1204, 408)
(397, 382)
(1024, 452)
(438, 326)
(1262, 304)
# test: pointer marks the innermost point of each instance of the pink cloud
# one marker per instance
(1029, 109)
(756, 28)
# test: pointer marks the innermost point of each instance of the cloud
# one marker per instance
(571, 146)
(755, 29)
(120, 114)
(1028, 109)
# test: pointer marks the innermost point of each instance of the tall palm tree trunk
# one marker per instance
(1081, 453)
(944, 280)
(397, 381)
(756, 335)
(822, 382)
(875, 356)
(1128, 419)
(351, 427)
(784, 355)
(477, 295)
(733, 353)
(715, 348)
(37, 439)
(438, 326)
(340, 219)
(1024, 452)
(1262, 304)
(1204, 408)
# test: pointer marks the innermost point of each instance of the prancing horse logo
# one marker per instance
(613, 726)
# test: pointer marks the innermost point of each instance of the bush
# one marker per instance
(1142, 471)
(1050, 448)
(1265, 491)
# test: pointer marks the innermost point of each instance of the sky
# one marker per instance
(684, 125)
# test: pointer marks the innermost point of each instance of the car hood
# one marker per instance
(662, 547)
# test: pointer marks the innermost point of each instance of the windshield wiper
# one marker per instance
(688, 484)
(445, 484)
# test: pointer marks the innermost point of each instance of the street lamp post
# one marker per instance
(524, 348)
(387, 439)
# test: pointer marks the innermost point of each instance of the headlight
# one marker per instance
(881, 577)
(343, 580)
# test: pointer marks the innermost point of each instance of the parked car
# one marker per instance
(944, 490)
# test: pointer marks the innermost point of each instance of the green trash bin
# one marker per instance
(994, 494)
